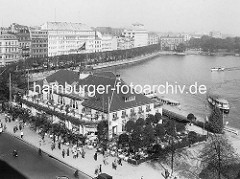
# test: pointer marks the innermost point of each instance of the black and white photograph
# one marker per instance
(119, 89)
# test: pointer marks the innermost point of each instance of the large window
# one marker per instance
(115, 116)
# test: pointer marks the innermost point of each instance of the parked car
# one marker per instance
(104, 176)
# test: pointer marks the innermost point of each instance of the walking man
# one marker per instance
(63, 153)
(21, 134)
(67, 151)
(59, 145)
(95, 156)
(100, 168)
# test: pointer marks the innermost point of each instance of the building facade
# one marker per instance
(107, 41)
(98, 44)
(138, 34)
(9, 51)
(153, 38)
(39, 42)
(125, 43)
(171, 42)
(86, 108)
(23, 35)
(68, 38)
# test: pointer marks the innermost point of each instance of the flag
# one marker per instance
(83, 47)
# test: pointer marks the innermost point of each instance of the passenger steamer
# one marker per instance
(222, 104)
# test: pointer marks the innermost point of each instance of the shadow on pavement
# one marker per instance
(8, 172)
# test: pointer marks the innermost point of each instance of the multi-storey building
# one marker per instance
(170, 42)
(153, 38)
(81, 109)
(125, 43)
(66, 38)
(9, 51)
(98, 44)
(39, 45)
(138, 34)
(108, 42)
(23, 35)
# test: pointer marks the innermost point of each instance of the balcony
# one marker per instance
(61, 114)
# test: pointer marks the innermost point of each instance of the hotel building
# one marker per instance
(67, 38)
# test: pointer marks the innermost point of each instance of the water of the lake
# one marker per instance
(186, 70)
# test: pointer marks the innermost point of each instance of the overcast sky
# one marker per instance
(156, 15)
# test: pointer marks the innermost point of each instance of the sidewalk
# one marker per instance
(88, 164)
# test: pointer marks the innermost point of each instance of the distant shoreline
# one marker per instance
(193, 52)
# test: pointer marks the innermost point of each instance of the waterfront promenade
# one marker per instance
(125, 61)
(88, 165)
(42, 75)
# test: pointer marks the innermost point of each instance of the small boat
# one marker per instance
(219, 102)
(217, 69)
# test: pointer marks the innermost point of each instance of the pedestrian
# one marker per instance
(53, 146)
(21, 134)
(114, 166)
(59, 145)
(83, 154)
(96, 171)
(95, 156)
(76, 173)
(54, 139)
(63, 153)
(100, 168)
(77, 154)
(43, 137)
(39, 152)
(120, 161)
(141, 177)
(67, 151)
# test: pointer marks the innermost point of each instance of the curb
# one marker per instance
(48, 154)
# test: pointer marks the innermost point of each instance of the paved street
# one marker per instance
(88, 165)
(29, 163)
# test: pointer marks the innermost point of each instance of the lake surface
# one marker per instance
(186, 70)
